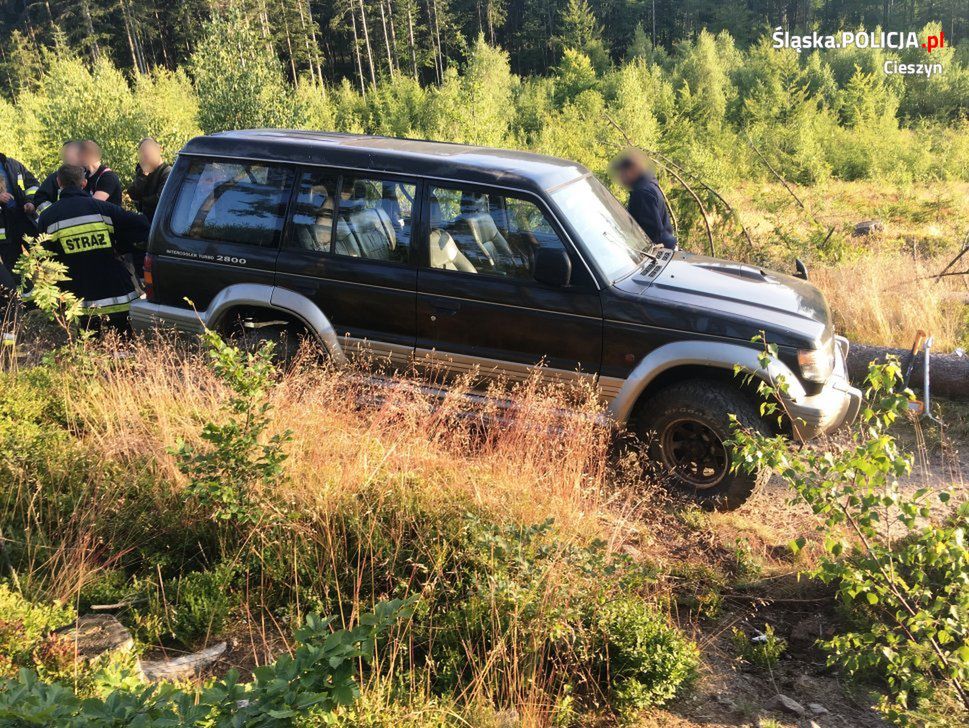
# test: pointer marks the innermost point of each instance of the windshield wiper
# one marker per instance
(647, 258)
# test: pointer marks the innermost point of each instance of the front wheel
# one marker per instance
(685, 429)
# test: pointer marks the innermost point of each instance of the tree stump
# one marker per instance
(96, 634)
(948, 373)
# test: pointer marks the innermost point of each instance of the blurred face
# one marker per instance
(149, 154)
(628, 174)
(88, 157)
(71, 154)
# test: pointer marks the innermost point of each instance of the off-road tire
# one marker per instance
(287, 341)
(708, 403)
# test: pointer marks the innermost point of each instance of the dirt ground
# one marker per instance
(731, 692)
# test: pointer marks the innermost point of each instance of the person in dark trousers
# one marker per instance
(647, 204)
(49, 192)
(17, 189)
(102, 182)
(87, 235)
(151, 172)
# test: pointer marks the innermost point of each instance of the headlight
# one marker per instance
(817, 364)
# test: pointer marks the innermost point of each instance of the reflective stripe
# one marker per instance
(82, 238)
(43, 206)
(115, 304)
(32, 190)
(90, 227)
(3, 233)
(20, 181)
(79, 220)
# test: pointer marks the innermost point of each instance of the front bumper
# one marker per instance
(836, 405)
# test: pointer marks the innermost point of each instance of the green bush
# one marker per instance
(184, 609)
(647, 660)
(902, 578)
(763, 651)
(24, 625)
(320, 675)
(239, 462)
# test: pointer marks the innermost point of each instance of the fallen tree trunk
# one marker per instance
(948, 373)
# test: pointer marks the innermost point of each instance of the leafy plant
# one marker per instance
(903, 579)
(762, 650)
(227, 477)
(647, 660)
(320, 675)
(40, 275)
(24, 625)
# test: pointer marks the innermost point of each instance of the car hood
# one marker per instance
(738, 292)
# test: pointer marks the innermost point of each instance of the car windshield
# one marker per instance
(614, 240)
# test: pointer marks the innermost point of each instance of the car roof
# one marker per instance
(419, 157)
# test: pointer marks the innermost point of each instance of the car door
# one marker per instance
(348, 249)
(479, 305)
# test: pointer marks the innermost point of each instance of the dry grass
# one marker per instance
(886, 299)
(349, 432)
(870, 281)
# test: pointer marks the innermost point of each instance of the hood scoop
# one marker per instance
(737, 271)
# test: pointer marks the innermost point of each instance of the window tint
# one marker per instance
(477, 232)
(313, 213)
(374, 219)
(233, 202)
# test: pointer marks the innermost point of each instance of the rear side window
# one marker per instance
(374, 219)
(233, 202)
(356, 217)
(313, 212)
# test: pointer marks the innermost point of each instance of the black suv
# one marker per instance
(491, 260)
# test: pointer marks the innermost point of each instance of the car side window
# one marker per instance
(313, 213)
(232, 202)
(374, 219)
(490, 234)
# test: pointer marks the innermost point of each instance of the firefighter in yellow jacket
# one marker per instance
(17, 188)
(88, 235)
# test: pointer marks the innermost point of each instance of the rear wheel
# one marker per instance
(685, 429)
(250, 334)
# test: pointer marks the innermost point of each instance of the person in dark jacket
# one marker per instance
(87, 235)
(17, 188)
(102, 181)
(49, 192)
(647, 204)
(151, 172)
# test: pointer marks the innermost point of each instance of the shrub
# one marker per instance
(227, 478)
(186, 608)
(24, 626)
(647, 660)
(320, 675)
(903, 580)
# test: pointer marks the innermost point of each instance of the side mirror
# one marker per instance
(553, 267)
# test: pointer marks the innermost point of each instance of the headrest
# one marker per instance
(352, 206)
(473, 203)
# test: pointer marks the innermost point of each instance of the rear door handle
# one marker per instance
(444, 309)
(447, 308)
